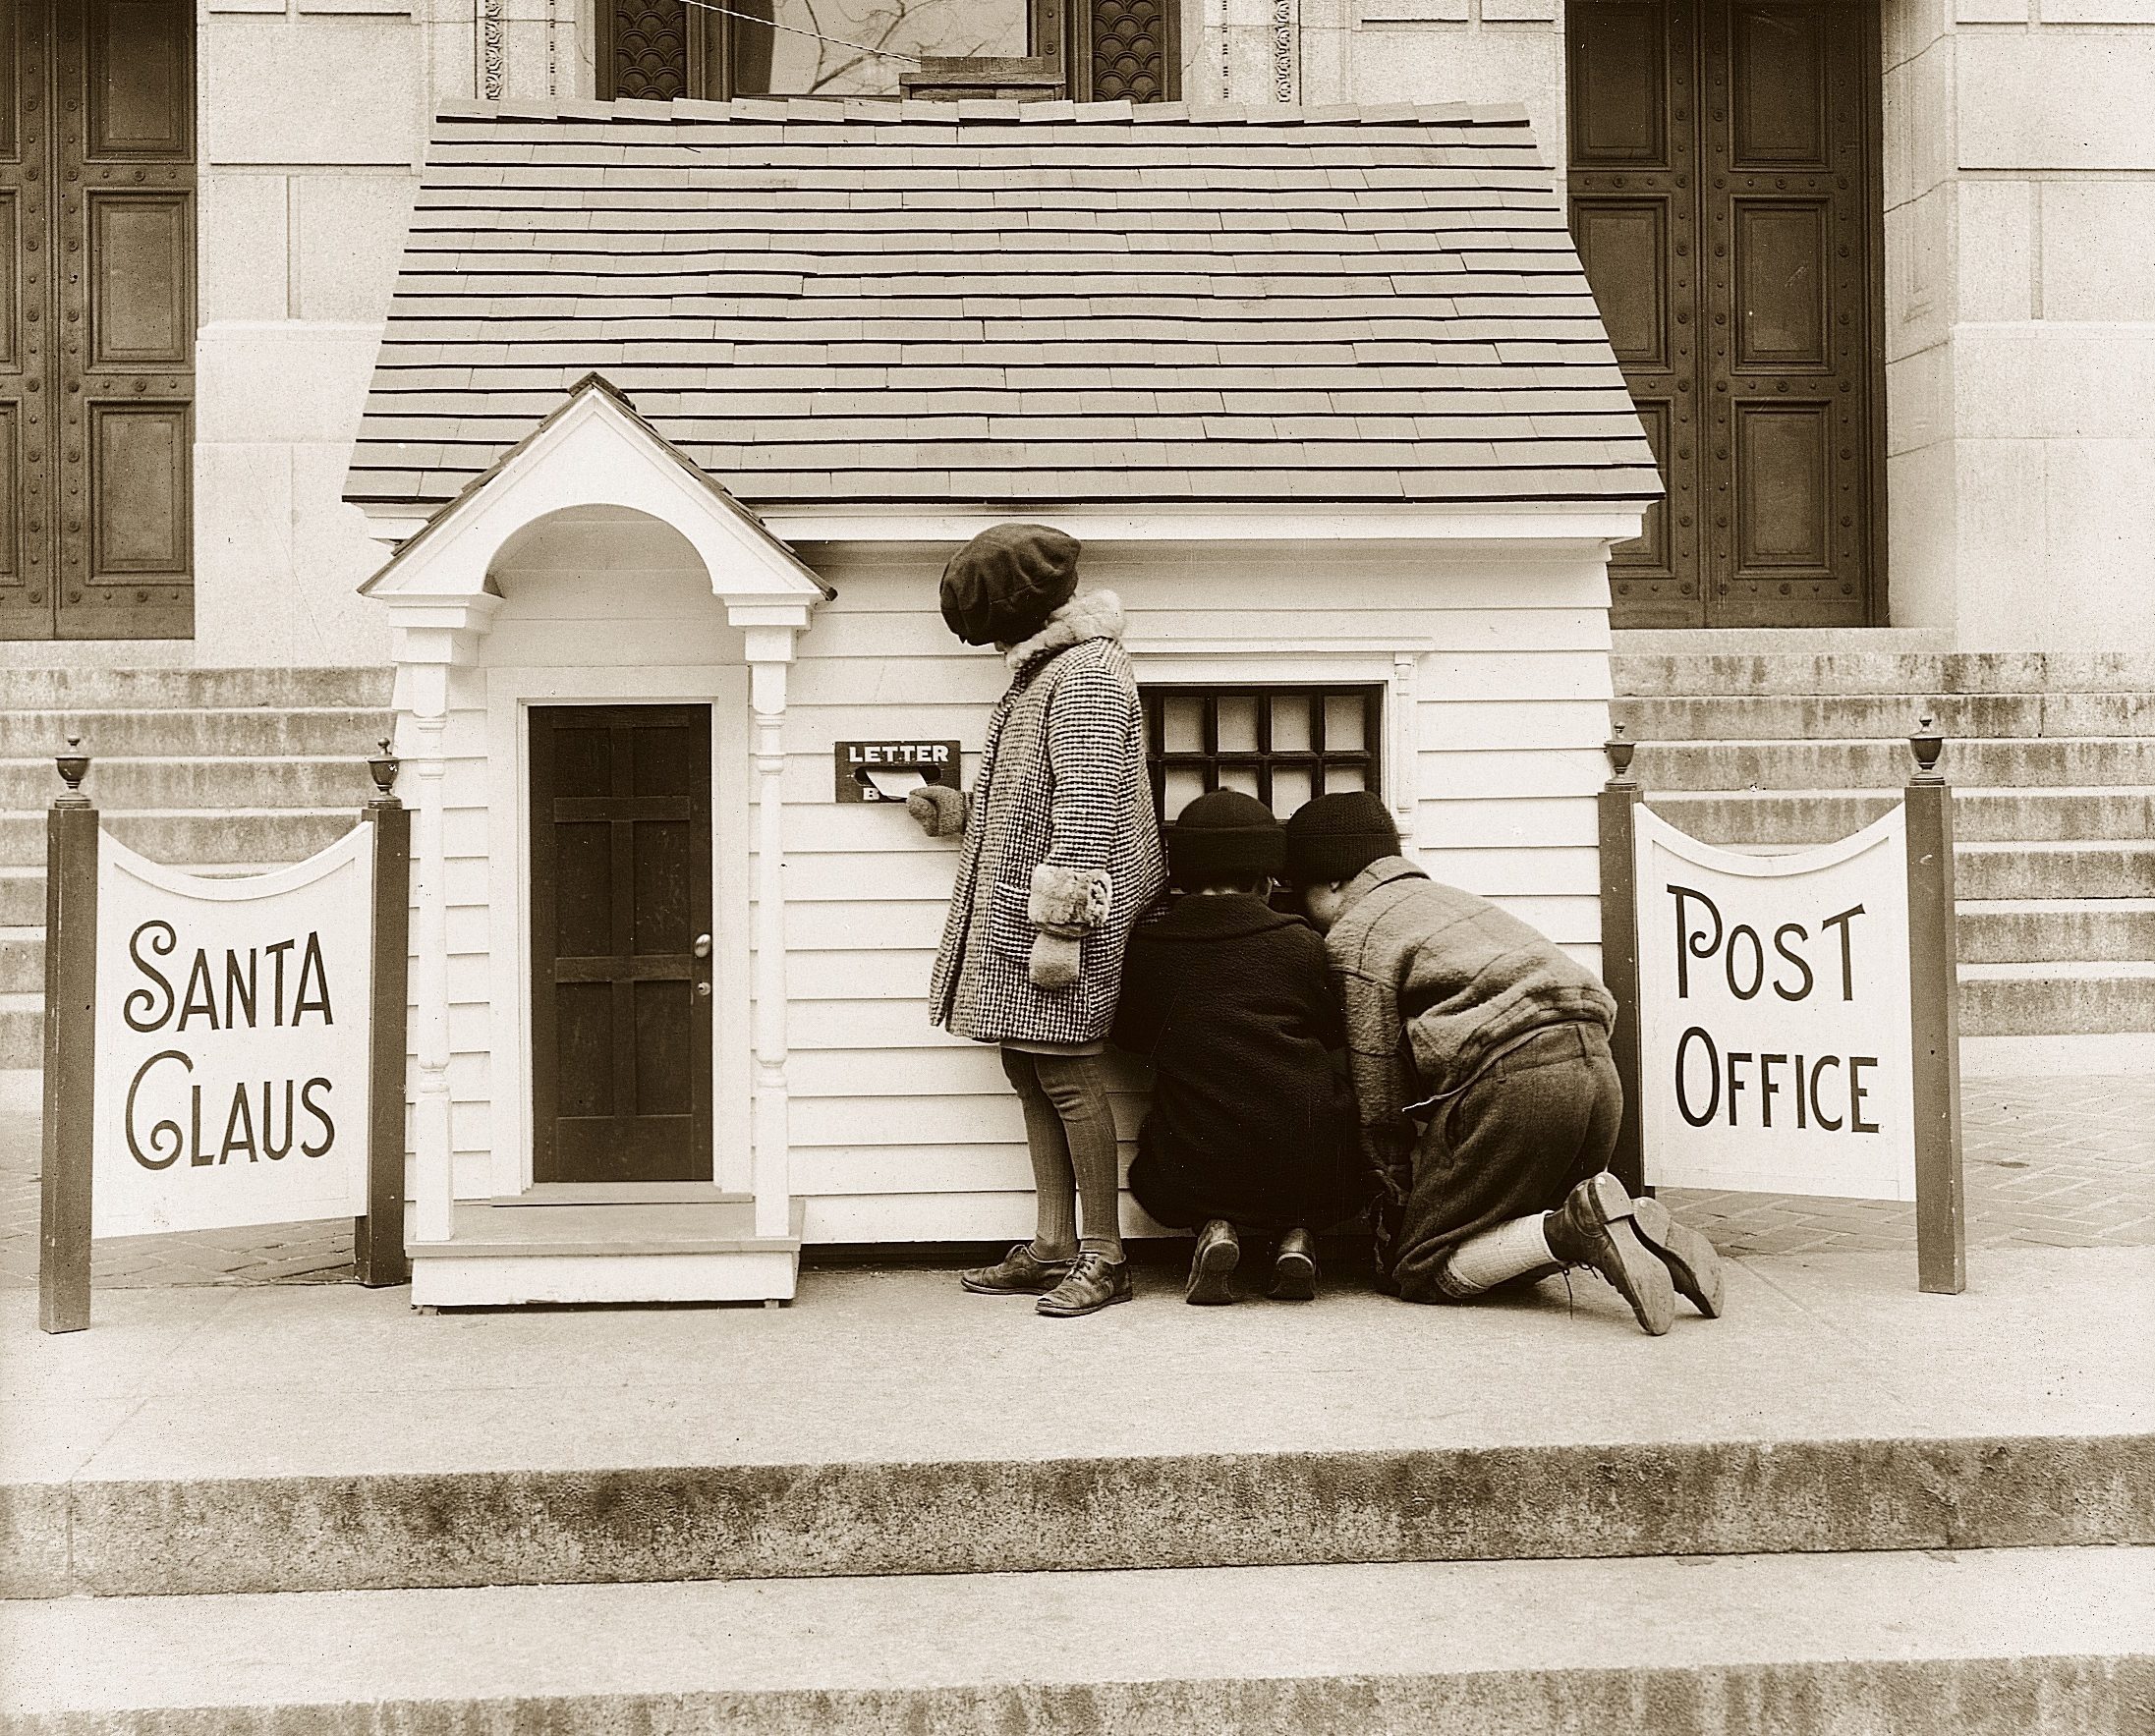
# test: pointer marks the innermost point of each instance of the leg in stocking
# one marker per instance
(1054, 1185)
(1077, 1087)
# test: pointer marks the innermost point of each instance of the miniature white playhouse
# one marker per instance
(678, 414)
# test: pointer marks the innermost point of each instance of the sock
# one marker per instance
(1481, 1262)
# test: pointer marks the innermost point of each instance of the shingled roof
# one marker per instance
(999, 305)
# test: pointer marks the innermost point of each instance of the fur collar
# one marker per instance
(1097, 614)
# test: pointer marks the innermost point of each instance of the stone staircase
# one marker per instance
(224, 771)
(1844, 1507)
(2052, 758)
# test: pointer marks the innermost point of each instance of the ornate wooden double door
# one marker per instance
(96, 318)
(1725, 198)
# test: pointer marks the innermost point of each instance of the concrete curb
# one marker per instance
(113, 1537)
(1957, 1696)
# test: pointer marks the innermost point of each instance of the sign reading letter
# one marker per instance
(233, 1022)
(1773, 1032)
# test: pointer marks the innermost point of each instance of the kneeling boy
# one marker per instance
(1486, 1097)
(1252, 1124)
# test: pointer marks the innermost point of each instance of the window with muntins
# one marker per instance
(1282, 745)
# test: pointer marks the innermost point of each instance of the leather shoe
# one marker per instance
(1094, 1281)
(1020, 1272)
(1694, 1266)
(1596, 1228)
(1212, 1265)
(1294, 1268)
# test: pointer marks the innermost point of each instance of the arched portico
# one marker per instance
(443, 590)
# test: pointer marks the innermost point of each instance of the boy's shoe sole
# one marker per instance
(1694, 1266)
(1294, 1270)
(1062, 1312)
(1211, 1271)
(1599, 1229)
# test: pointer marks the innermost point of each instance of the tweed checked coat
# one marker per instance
(1435, 984)
(1060, 834)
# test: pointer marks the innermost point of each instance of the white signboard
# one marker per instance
(1774, 1027)
(233, 1017)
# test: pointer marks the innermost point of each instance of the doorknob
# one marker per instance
(702, 949)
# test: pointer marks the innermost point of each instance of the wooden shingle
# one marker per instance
(1029, 305)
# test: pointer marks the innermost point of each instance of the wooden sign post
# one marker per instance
(1789, 1023)
(71, 1050)
(377, 1239)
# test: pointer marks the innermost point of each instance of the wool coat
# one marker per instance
(1251, 1119)
(1435, 984)
(1059, 838)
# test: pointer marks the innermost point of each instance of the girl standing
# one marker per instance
(1061, 853)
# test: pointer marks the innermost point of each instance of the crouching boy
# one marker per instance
(1485, 1094)
(1252, 1125)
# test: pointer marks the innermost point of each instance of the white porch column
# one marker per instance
(770, 631)
(430, 641)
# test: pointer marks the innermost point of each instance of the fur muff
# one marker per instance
(1067, 901)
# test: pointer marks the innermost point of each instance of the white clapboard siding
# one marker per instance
(974, 1117)
(899, 1131)
(940, 1216)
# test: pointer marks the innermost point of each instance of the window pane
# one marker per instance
(1182, 722)
(862, 47)
(1239, 777)
(1343, 777)
(1185, 784)
(1291, 788)
(1343, 714)
(1290, 723)
(1238, 723)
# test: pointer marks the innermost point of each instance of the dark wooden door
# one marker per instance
(621, 988)
(96, 318)
(1726, 201)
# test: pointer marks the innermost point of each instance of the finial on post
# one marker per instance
(73, 767)
(383, 768)
(1927, 743)
(1619, 751)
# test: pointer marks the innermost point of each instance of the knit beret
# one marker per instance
(1335, 837)
(1224, 836)
(1002, 587)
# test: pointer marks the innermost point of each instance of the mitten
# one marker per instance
(1054, 961)
(939, 811)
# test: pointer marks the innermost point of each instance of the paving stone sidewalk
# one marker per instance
(2051, 1162)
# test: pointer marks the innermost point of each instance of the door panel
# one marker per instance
(620, 867)
(97, 362)
(1753, 125)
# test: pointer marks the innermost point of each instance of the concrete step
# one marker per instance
(2046, 999)
(1804, 717)
(2037, 930)
(1742, 764)
(1891, 674)
(124, 786)
(204, 837)
(2105, 869)
(1980, 816)
(1982, 1643)
(70, 688)
(349, 731)
(21, 962)
(22, 1029)
(674, 1445)
(23, 892)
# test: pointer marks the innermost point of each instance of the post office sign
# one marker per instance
(889, 771)
(1775, 1046)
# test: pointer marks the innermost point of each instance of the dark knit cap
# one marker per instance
(1224, 836)
(1335, 837)
(1002, 587)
